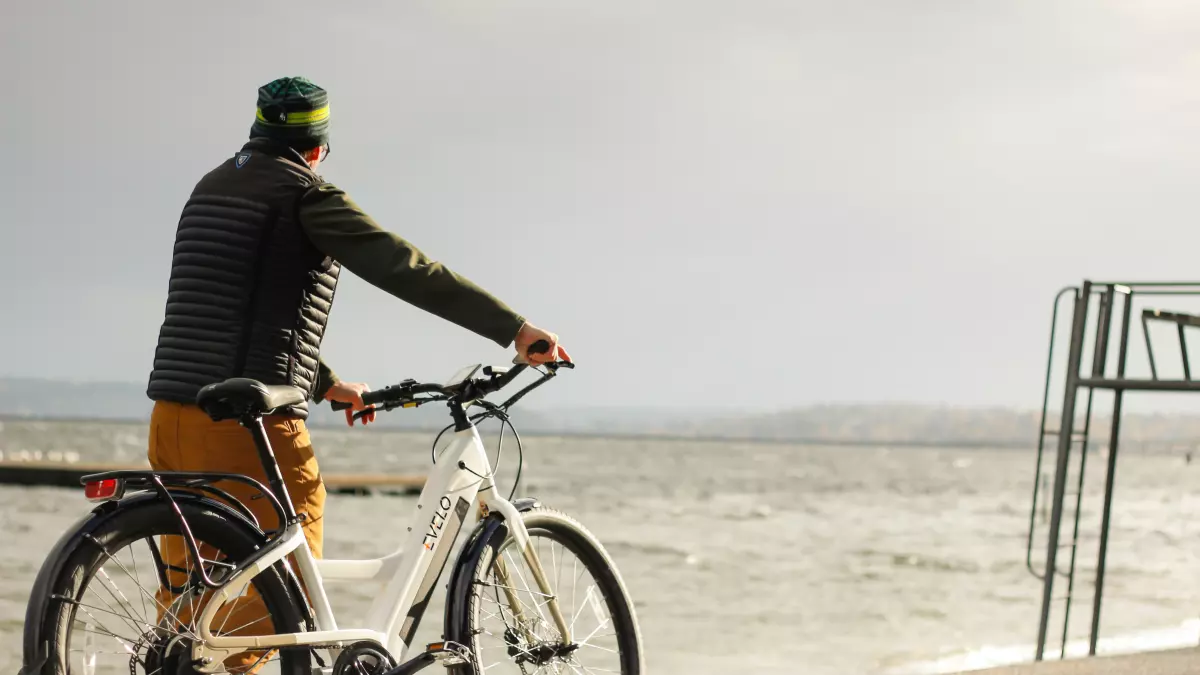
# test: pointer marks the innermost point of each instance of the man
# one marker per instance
(259, 248)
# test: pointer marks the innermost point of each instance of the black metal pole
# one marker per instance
(1103, 330)
(1109, 480)
(1187, 368)
(1099, 363)
(1074, 357)
(1139, 384)
(1149, 348)
(1041, 446)
(1149, 284)
(1045, 487)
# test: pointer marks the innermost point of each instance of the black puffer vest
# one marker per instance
(249, 294)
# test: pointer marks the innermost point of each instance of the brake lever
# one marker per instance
(553, 366)
(386, 407)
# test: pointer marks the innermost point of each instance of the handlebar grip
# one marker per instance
(539, 347)
(368, 397)
(377, 396)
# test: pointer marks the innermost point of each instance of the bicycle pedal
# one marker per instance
(448, 653)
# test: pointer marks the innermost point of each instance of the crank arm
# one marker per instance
(449, 653)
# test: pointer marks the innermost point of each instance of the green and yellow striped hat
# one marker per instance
(292, 110)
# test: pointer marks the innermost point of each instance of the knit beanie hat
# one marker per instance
(294, 111)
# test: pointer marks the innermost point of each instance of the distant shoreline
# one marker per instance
(832, 424)
(1156, 446)
(617, 435)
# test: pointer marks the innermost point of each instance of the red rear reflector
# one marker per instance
(103, 490)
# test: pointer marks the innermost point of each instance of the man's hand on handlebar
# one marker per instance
(534, 347)
(528, 335)
(351, 393)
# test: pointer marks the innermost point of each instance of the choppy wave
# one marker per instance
(917, 561)
(651, 549)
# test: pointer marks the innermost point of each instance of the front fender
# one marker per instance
(458, 593)
(36, 648)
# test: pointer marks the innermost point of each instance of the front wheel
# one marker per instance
(508, 625)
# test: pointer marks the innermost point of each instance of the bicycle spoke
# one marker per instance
(577, 613)
(526, 652)
(100, 651)
(574, 566)
(105, 611)
(580, 610)
(104, 631)
(245, 625)
(123, 601)
(187, 561)
(537, 606)
(589, 669)
(518, 590)
(136, 578)
(525, 583)
(126, 617)
(611, 651)
(161, 606)
(584, 641)
(232, 610)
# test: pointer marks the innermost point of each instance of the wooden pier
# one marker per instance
(61, 474)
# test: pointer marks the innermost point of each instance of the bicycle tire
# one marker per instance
(571, 534)
(210, 524)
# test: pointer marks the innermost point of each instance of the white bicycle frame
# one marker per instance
(410, 572)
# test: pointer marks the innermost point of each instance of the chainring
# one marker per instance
(363, 658)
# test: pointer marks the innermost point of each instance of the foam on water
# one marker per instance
(1186, 634)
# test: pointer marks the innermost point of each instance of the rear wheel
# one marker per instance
(510, 626)
(111, 612)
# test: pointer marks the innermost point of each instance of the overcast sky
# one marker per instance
(742, 203)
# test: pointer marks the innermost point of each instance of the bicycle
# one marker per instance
(230, 557)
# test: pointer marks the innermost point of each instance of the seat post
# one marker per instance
(270, 465)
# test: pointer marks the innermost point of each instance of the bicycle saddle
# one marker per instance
(239, 396)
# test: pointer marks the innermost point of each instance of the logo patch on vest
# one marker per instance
(241, 160)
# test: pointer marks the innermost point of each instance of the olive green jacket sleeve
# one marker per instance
(326, 378)
(339, 228)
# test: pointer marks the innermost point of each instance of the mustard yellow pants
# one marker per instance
(183, 438)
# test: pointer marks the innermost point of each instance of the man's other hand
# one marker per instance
(351, 392)
(530, 334)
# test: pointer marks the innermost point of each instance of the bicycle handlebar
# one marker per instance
(397, 394)
(394, 391)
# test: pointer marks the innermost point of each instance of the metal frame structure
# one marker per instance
(1113, 298)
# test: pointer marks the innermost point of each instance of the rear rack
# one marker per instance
(1114, 298)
